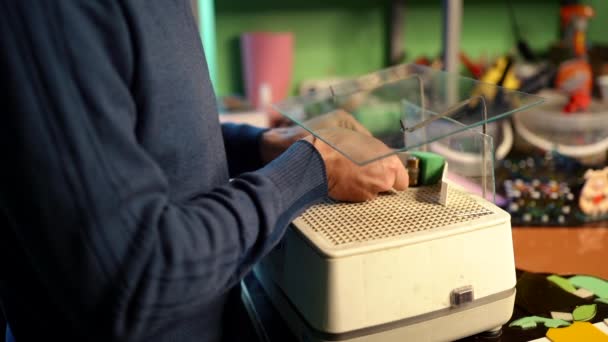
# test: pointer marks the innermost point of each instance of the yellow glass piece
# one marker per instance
(577, 332)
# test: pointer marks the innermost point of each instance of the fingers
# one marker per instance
(402, 178)
(337, 118)
(354, 196)
(375, 178)
(382, 176)
(358, 189)
(350, 182)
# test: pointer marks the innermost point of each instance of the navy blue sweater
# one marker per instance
(118, 221)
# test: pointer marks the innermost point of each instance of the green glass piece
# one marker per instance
(596, 285)
(555, 323)
(528, 325)
(584, 312)
(561, 282)
(524, 322)
(531, 321)
(431, 167)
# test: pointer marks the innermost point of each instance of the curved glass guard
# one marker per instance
(405, 107)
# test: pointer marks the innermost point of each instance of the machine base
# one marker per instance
(470, 321)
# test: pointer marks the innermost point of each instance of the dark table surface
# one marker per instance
(535, 296)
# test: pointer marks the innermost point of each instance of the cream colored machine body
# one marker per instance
(400, 268)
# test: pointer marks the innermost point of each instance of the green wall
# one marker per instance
(343, 38)
(597, 27)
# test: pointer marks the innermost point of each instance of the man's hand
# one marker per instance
(350, 182)
(337, 118)
(275, 141)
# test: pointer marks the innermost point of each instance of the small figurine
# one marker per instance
(574, 76)
(574, 20)
(593, 200)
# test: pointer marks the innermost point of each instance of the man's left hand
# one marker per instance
(275, 141)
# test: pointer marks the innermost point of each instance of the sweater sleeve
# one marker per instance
(242, 147)
(92, 207)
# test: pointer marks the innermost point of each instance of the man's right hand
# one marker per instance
(350, 182)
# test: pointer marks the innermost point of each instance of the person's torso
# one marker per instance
(177, 118)
(177, 124)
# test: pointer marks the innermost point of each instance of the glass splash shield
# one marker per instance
(413, 107)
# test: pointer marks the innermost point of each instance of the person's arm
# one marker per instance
(249, 148)
(90, 207)
(243, 147)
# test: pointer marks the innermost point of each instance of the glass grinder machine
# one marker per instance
(431, 263)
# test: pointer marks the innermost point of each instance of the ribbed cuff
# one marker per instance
(299, 174)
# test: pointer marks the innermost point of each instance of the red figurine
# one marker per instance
(574, 76)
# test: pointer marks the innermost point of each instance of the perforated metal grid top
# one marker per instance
(391, 215)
